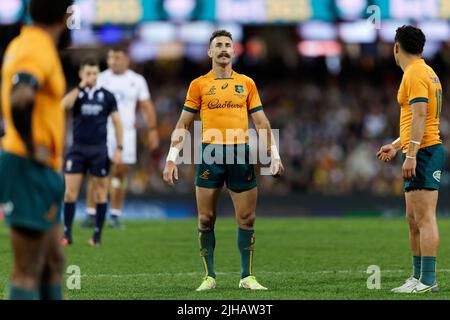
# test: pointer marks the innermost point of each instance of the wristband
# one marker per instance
(120, 147)
(274, 152)
(410, 157)
(415, 142)
(173, 154)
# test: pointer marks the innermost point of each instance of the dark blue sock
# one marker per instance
(428, 274)
(99, 221)
(22, 294)
(69, 214)
(417, 263)
(51, 292)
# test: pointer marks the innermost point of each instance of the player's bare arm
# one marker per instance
(148, 109)
(118, 130)
(22, 102)
(263, 127)
(419, 116)
(176, 144)
(69, 99)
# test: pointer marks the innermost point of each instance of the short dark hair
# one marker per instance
(411, 39)
(119, 48)
(88, 61)
(220, 33)
(48, 12)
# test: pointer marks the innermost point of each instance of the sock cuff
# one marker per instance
(429, 258)
(115, 212)
(206, 230)
(69, 203)
(90, 211)
(246, 230)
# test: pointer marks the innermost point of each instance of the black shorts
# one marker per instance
(88, 158)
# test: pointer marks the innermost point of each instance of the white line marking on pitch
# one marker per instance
(196, 274)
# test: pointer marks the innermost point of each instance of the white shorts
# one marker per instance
(129, 155)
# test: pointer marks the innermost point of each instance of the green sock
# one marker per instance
(246, 242)
(22, 294)
(207, 243)
(417, 261)
(51, 292)
(428, 274)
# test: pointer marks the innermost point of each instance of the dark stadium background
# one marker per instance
(326, 77)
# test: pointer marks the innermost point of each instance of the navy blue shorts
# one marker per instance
(86, 158)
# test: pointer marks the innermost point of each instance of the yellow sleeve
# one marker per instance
(33, 63)
(193, 98)
(253, 101)
(417, 86)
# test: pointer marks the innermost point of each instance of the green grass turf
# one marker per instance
(296, 258)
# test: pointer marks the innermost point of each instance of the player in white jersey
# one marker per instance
(130, 90)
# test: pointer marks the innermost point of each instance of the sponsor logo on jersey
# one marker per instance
(215, 104)
(225, 86)
(91, 109)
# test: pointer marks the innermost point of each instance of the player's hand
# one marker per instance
(276, 168)
(409, 168)
(117, 156)
(170, 172)
(153, 139)
(386, 152)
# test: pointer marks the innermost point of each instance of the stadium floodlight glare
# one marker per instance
(196, 32)
(317, 30)
(357, 32)
(435, 30)
(157, 32)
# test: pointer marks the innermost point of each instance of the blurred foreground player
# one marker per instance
(225, 99)
(31, 188)
(420, 100)
(91, 106)
(131, 91)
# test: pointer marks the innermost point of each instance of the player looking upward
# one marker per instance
(420, 100)
(91, 106)
(130, 90)
(31, 188)
(225, 99)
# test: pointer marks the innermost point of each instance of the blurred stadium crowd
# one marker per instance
(330, 126)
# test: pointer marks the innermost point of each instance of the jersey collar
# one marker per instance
(213, 75)
(414, 62)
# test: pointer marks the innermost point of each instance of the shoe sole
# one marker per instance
(243, 285)
(432, 289)
(205, 289)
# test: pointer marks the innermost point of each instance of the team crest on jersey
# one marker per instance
(212, 91)
(101, 96)
(437, 175)
(80, 95)
(239, 88)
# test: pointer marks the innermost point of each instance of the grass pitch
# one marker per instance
(296, 258)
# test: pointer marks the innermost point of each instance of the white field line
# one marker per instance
(197, 274)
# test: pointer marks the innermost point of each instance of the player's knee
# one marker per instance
(247, 219)
(70, 195)
(412, 223)
(425, 221)
(206, 219)
(55, 263)
(101, 192)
